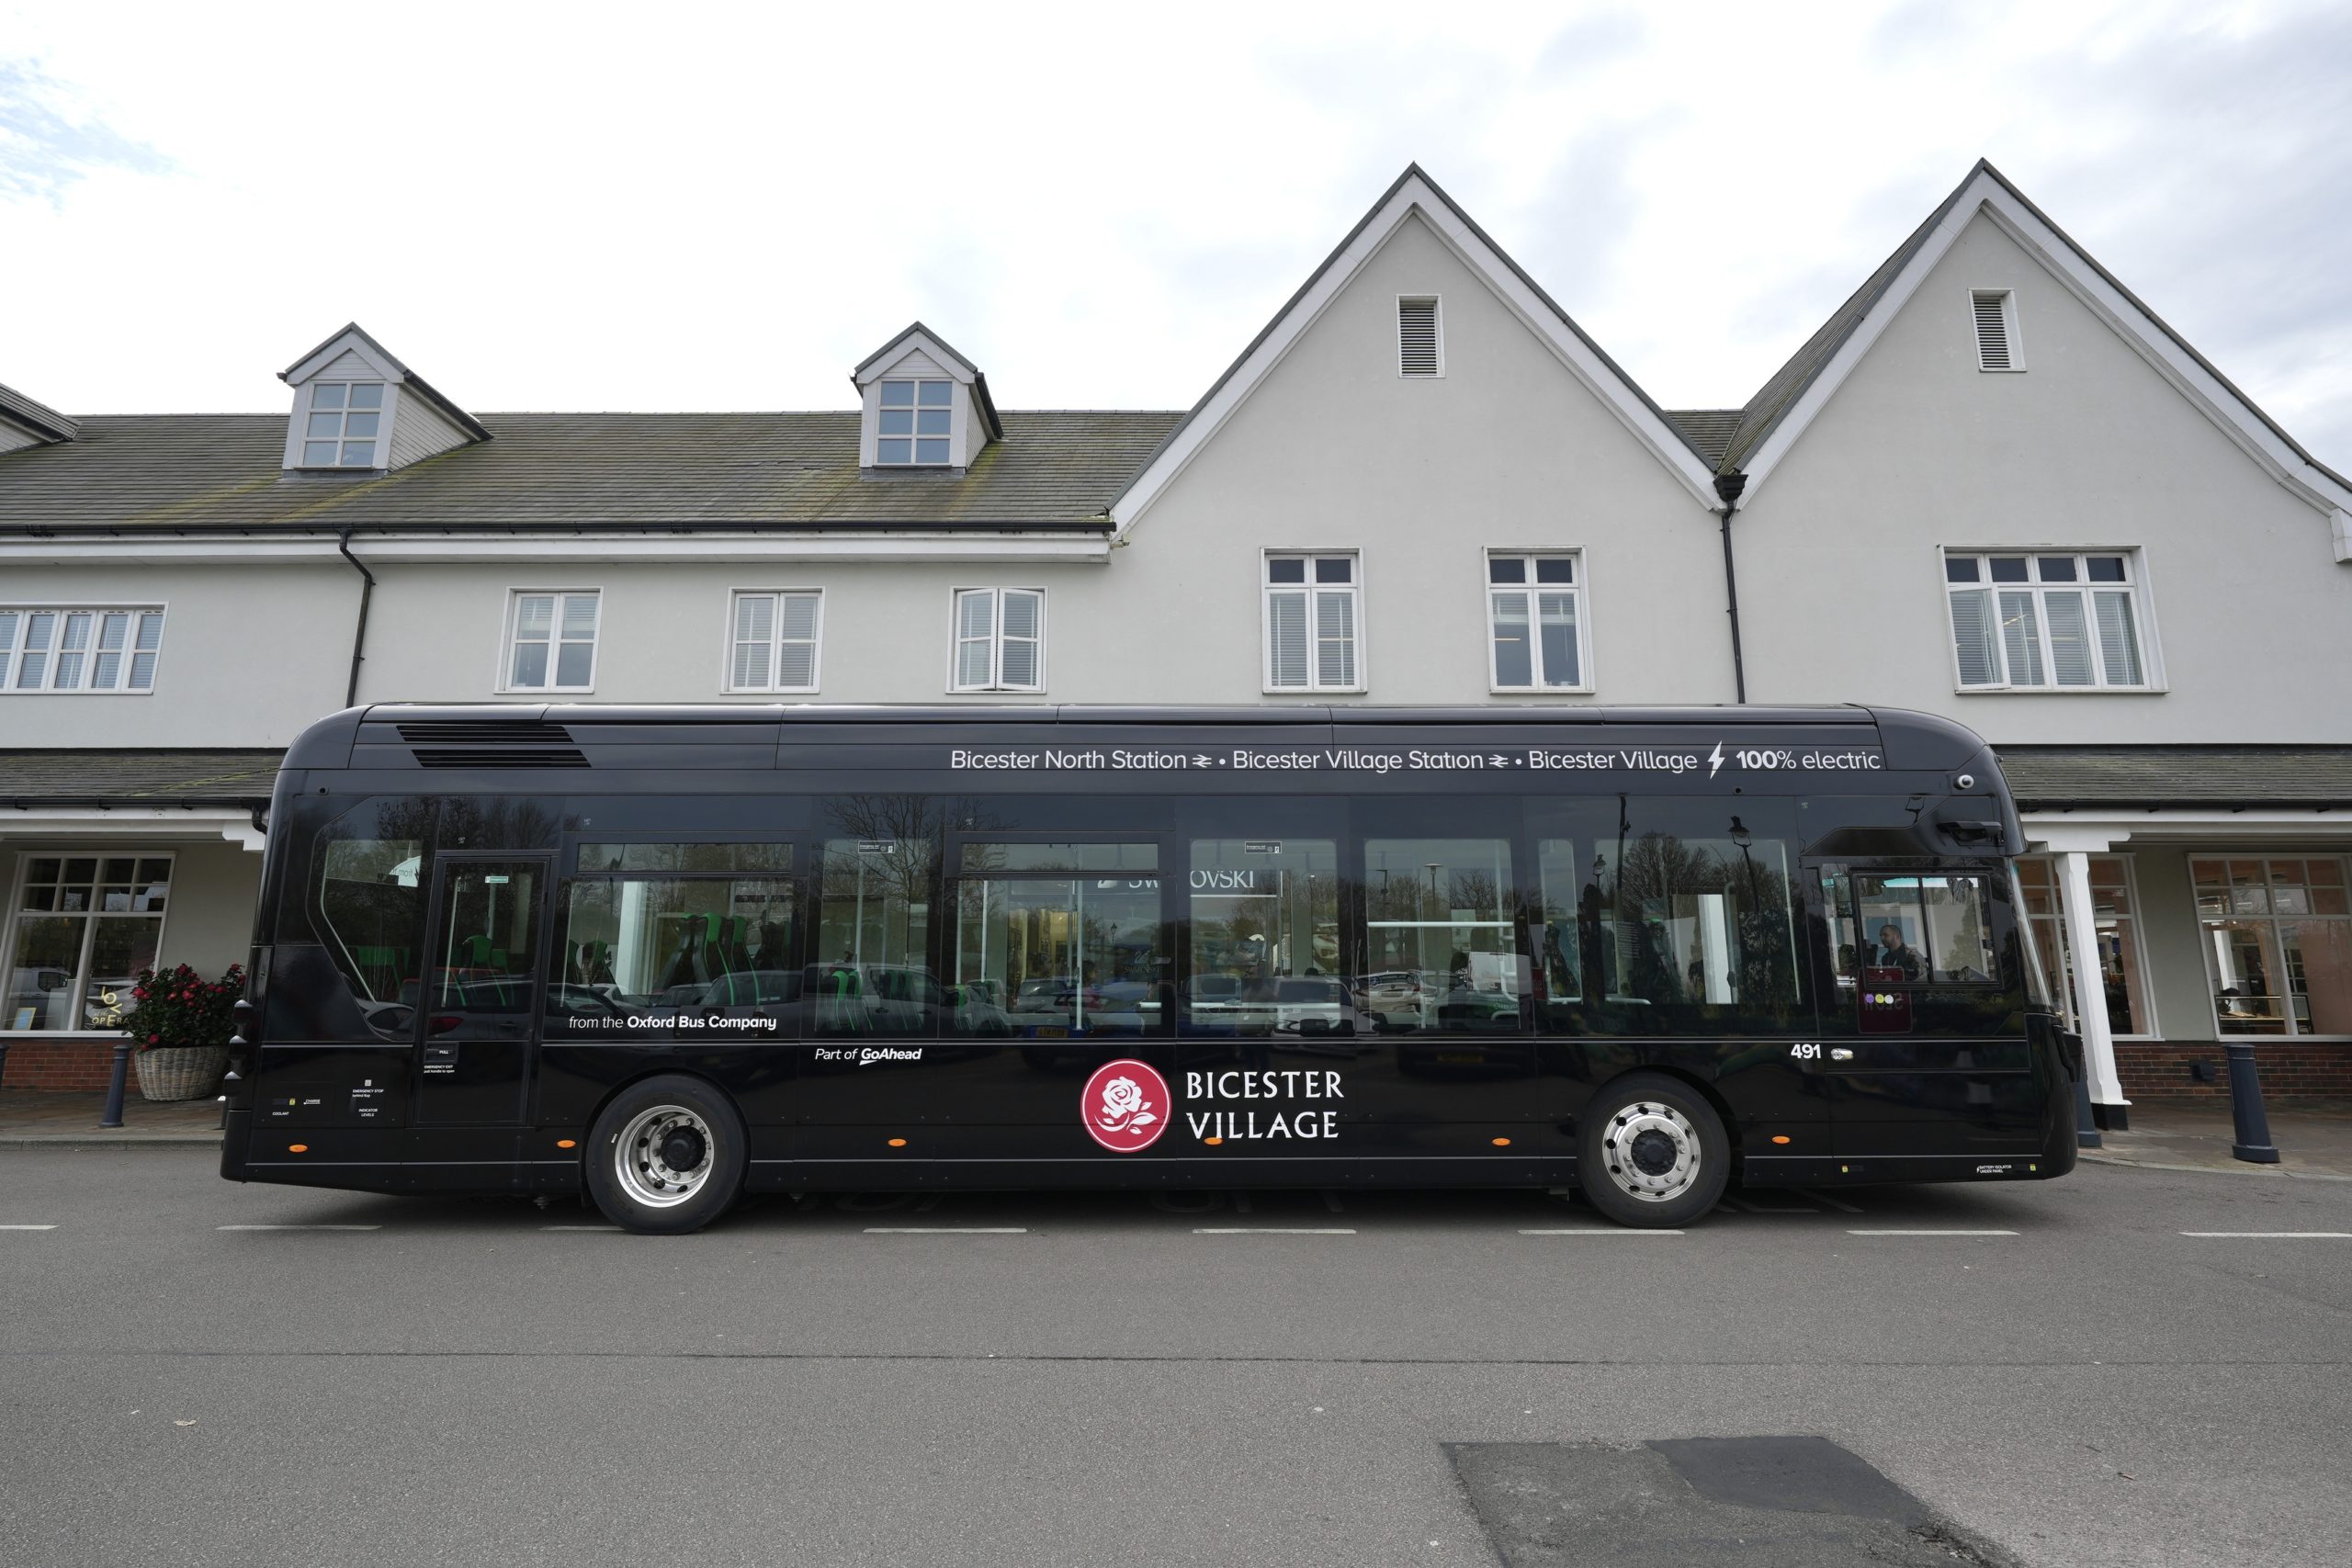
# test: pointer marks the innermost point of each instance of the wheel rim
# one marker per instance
(643, 1156)
(1651, 1151)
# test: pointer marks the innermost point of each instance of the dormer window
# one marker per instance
(342, 429)
(914, 423)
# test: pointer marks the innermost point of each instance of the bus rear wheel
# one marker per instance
(666, 1156)
(1651, 1152)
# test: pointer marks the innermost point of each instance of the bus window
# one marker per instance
(677, 945)
(371, 888)
(1919, 926)
(1265, 923)
(1438, 914)
(1057, 940)
(1693, 930)
(870, 973)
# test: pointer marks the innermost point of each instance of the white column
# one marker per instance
(2090, 999)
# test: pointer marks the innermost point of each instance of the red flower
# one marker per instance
(154, 1040)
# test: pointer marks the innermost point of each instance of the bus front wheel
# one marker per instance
(666, 1156)
(1652, 1152)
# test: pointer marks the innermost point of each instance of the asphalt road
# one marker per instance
(863, 1380)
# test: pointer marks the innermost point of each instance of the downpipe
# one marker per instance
(1729, 487)
(359, 635)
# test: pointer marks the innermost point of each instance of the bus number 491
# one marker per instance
(1806, 1050)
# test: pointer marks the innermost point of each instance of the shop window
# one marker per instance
(84, 924)
(2277, 942)
(2115, 920)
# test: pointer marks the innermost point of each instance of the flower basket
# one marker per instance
(179, 1027)
(180, 1072)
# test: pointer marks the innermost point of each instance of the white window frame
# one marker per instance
(2056, 936)
(2008, 324)
(955, 639)
(380, 445)
(12, 648)
(1437, 324)
(1580, 588)
(506, 641)
(776, 640)
(26, 855)
(914, 436)
(2135, 585)
(2274, 919)
(1352, 589)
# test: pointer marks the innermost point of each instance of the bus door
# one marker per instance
(479, 997)
(1923, 1045)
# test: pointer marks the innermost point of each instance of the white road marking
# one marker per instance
(600, 1230)
(28, 1227)
(300, 1227)
(947, 1230)
(1930, 1233)
(1601, 1229)
(1270, 1230)
(2277, 1236)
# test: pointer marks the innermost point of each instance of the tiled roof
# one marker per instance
(1709, 430)
(2047, 777)
(1053, 470)
(37, 417)
(136, 778)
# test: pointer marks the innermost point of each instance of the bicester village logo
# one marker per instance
(1125, 1106)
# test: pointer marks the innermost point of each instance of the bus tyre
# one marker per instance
(1652, 1152)
(666, 1156)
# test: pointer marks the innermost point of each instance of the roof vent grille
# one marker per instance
(484, 732)
(1994, 309)
(1416, 337)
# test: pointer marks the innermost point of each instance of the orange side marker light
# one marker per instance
(1212, 1140)
(566, 1144)
(297, 1149)
(1779, 1137)
(897, 1142)
(1502, 1142)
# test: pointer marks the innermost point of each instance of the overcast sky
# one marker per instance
(681, 207)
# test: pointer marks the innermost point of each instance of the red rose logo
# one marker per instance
(1125, 1106)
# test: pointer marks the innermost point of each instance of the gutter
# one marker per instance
(1729, 487)
(753, 528)
(359, 634)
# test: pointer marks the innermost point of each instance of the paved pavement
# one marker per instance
(48, 1116)
(2314, 1137)
(2108, 1370)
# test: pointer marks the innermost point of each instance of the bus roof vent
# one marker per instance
(501, 757)
(484, 732)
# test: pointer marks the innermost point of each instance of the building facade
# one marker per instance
(1992, 486)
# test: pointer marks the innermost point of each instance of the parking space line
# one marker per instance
(947, 1230)
(28, 1227)
(1930, 1233)
(1745, 1207)
(2275, 1235)
(298, 1228)
(1270, 1230)
(1600, 1230)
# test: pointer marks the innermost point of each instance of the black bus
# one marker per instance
(673, 954)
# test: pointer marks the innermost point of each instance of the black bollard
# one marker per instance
(2254, 1145)
(113, 1118)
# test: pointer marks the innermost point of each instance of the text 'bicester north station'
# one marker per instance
(1346, 758)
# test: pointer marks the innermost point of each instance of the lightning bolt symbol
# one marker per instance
(1715, 760)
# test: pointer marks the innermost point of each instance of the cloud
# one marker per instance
(46, 146)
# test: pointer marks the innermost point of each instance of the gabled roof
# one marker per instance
(1057, 471)
(1777, 416)
(918, 336)
(38, 418)
(1709, 430)
(352, 336)
(1414, 191)
(149, 778)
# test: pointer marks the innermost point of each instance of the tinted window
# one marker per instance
(1265, 929)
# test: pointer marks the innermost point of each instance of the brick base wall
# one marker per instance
(66, 1063)
(2160, 1069)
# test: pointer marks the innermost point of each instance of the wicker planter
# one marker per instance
(180, 1072)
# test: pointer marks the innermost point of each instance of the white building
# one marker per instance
(1993, 486)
